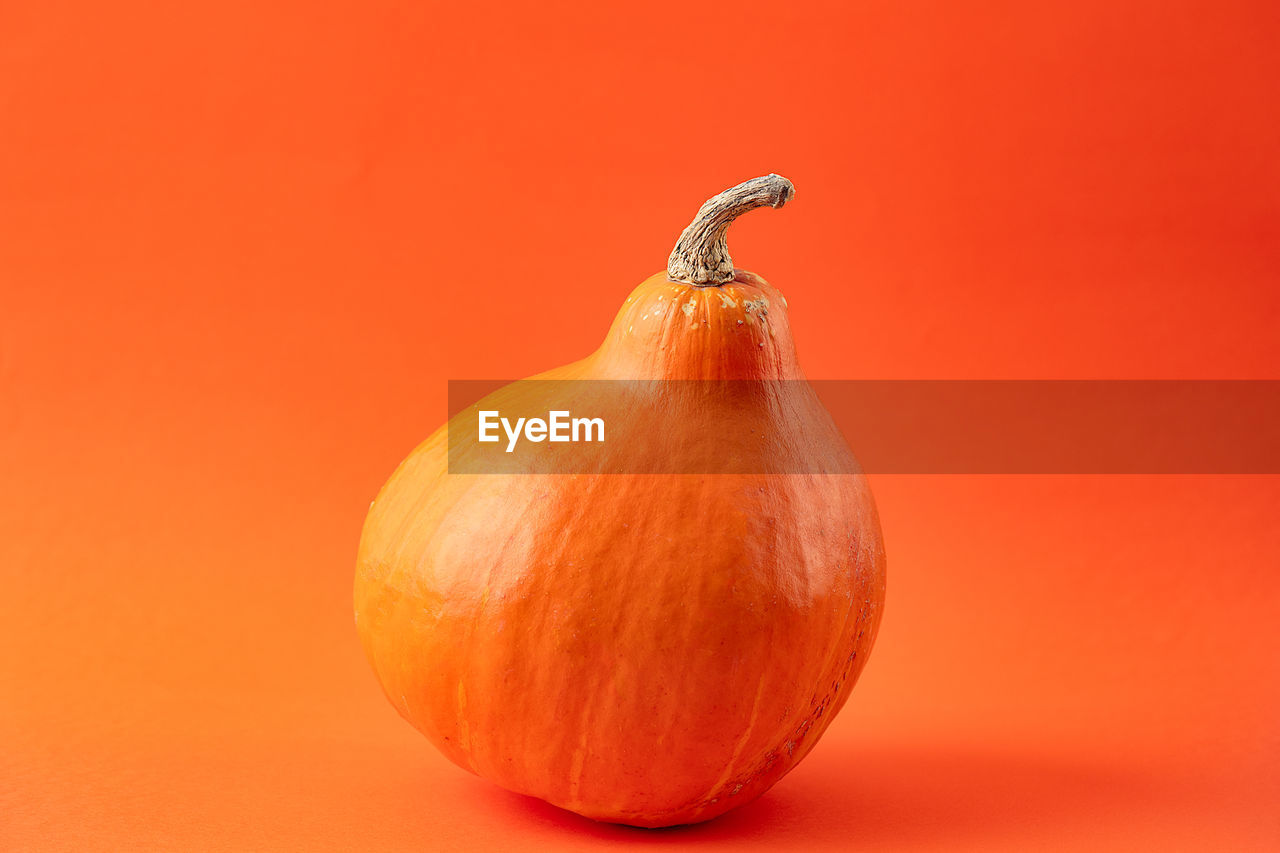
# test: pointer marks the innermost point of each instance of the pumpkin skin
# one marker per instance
(642, 649)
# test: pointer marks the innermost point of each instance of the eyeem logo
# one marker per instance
(559, 426)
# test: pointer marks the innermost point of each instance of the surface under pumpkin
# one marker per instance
(648, 649)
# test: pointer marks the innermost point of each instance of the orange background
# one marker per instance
(244, 245)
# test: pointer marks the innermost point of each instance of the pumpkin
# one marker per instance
(645, 649)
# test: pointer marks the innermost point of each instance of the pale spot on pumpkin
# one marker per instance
(739, 322)
(742, 742)
(575, 768)
(629, 329)
(727, 300)
(687, 308)
(464, 729)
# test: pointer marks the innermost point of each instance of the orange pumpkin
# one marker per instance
(642, 649)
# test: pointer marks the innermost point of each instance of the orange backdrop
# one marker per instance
(244, 245)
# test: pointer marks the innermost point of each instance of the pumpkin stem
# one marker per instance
(701, 256)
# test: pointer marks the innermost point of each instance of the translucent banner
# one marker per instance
(892, 427)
